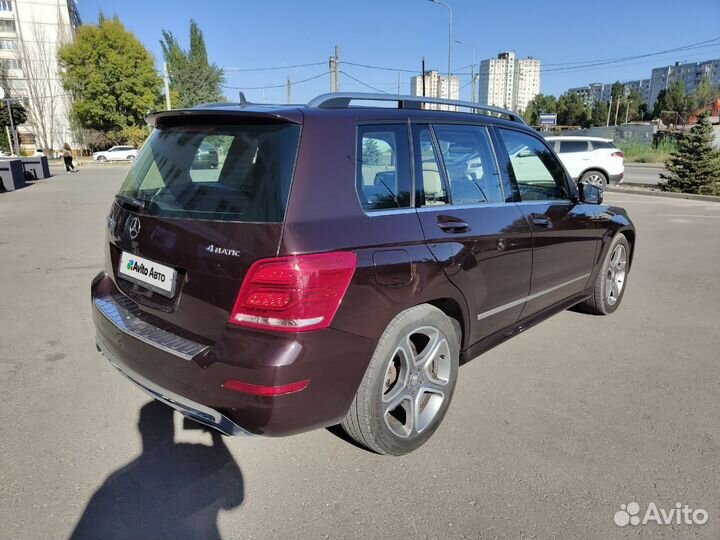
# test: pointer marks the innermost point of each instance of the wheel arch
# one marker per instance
(453, 309)
(597, 169)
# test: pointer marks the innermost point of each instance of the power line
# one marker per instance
(381, 67)
(277, 68)
(283, 85)
(364, 84)
(707, 43)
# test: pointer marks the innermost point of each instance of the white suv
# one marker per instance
(590, 159)
(116, 153)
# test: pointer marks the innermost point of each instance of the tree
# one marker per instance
(371, 152)
(599, 115)
(617, 90)
(111, 77)
(193, 79)
(19, 114)
(572, 110)
(673, 99)
(46, 98)
(695, 166)
(703, 94)
(538, 105)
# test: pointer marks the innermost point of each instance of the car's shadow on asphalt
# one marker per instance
(172, 490)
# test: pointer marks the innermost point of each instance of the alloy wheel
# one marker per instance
(416, 381)
(615, 277)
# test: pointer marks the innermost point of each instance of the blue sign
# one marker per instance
(548, 119)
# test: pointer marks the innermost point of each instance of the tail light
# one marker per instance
(618, 154)
(294, 294)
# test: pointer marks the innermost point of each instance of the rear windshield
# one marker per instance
(216, 172)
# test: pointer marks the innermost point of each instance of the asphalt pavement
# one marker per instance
(643, 174)
(547, 436)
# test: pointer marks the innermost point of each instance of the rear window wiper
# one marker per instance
(130, 202)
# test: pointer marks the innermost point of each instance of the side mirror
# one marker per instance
(590, 193)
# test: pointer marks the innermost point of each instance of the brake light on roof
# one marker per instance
(294, 294)
(618, 154)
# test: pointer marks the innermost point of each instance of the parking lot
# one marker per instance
(547, 435)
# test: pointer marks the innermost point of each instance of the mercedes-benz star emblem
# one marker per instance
(134, 228)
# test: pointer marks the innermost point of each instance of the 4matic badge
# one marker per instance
(217, 250)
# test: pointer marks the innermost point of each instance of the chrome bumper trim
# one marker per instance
(131, 320)
(196, 411)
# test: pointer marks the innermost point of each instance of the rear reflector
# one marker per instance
(260, 390)
(618, 154)
(294, 294)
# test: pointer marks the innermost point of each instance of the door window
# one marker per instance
(470, 164)
(383, 169)
(432, 189)
(537, 172)
(568, 147)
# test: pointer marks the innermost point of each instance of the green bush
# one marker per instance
(639, 152)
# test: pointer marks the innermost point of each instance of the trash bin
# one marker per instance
(12, 175)
(37, 167)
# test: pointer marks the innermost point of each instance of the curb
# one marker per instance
(640, 165)
(667, 194)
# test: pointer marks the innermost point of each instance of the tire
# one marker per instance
(595, 177)
(395, 375)
(611, 282)
(102, 159)
(131, 158)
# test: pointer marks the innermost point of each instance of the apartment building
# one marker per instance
(509, 82)
(31, 32)
(436, 85)
(690, 73)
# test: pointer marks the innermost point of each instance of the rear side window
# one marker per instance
(383, 167)
(470, 164)
(427, 169)
(568, 147)
(602, 145)
(216, 172)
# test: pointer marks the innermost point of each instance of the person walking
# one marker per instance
(68, 158)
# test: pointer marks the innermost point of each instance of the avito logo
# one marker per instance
(133, 266)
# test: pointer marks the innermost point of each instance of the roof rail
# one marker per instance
(341, 100)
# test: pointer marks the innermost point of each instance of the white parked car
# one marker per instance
(116, 153)
(590, 159)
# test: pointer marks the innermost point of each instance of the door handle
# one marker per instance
(451, 224)
(542, 221)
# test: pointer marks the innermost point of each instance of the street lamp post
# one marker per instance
(438, 2)
(472, 69)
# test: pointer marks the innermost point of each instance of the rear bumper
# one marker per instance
(614, 179)
(189, 408)
(190, 379)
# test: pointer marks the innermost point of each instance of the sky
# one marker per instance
(244, 35)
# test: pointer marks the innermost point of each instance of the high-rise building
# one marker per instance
(594, 92)
(509, 82)
(31, 32)
(437, 86)
(691, 74)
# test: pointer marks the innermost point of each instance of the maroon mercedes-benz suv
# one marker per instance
(341, 261)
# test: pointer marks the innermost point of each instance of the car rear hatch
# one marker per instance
(181, 238)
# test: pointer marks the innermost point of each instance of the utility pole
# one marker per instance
(423, 76)
(337, 68)
(617, 109)
(627, 111)
(166, 77)
(609, 109)
(334, 65)
(289, 90)
(398, 84)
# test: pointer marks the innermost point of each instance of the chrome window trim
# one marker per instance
(519, 301)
